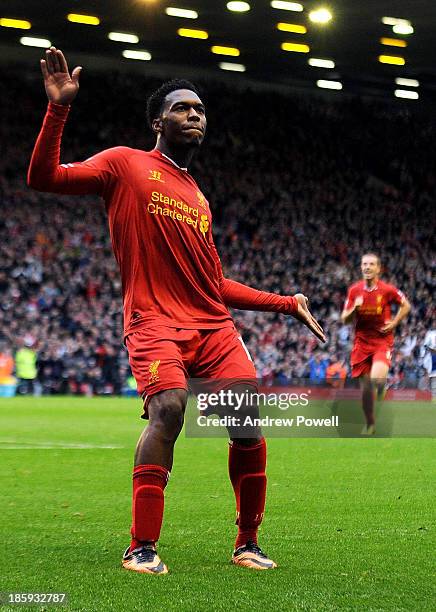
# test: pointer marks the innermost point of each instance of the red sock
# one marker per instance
(149, 482)
(247, 475)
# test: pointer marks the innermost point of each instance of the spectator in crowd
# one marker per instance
(25, 364)
(336, 372)
(8, 382)
(318, 364)
(6, 362)
(429, 358)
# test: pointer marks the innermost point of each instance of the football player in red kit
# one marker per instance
(368, 304)
(176, 299)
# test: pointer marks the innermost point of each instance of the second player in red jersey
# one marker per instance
(371, 342)
(368, 304)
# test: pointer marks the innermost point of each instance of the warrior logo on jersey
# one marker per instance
(153, 369)
(201, 199)
(155, 175)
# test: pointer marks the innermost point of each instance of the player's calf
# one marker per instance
(368, 400)
(247, 475)
(166, 413)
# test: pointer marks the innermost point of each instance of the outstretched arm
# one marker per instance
(238, 295)
(243, 297)
(45, 173)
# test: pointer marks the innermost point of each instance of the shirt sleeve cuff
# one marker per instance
(291, 304)
(58, 110)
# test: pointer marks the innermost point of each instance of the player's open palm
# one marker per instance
(306, 317)
(61, 88)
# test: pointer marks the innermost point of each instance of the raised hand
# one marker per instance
(60, 87)
(304, 315)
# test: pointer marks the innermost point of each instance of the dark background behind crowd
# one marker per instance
(299, 187)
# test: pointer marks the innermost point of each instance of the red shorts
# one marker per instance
(364, 355)
(163, 358)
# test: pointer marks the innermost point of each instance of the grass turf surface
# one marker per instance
(349, 521)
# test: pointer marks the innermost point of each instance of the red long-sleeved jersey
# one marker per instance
(160, 228)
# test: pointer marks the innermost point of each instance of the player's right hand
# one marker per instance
(358, 301)
(304, 315)
(61, 88)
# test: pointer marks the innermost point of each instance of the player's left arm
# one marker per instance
(404, 308)
(243, 297)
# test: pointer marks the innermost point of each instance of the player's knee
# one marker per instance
(378, 377)
(166, 412)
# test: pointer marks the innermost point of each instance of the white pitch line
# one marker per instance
(2, 448)
(10, 445)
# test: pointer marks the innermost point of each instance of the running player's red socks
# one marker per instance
(247, 475)
(149, 482)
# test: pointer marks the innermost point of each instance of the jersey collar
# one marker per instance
(369, 289)
(172, 161)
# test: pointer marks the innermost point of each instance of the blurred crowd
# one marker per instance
(299, 189)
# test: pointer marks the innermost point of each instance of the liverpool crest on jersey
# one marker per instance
(153, 369)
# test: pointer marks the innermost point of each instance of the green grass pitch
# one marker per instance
(349, 521)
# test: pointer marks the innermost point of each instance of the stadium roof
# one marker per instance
(351, 39)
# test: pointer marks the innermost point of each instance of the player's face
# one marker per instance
(370, 267)
(183, 120)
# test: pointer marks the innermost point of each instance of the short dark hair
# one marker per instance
(157, 98)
